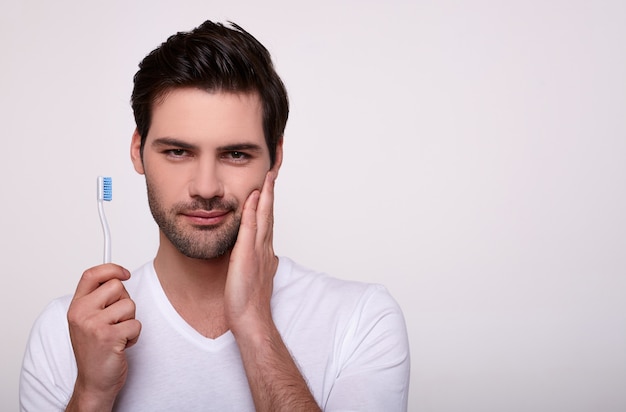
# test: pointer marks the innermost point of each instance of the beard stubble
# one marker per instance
(197, 242)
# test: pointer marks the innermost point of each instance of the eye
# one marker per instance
(176, 152)
(236, 156)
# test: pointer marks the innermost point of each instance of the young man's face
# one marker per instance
(203, 156)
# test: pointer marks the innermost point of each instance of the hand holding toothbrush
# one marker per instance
(102, 325)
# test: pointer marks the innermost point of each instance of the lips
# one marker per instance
(205, 217)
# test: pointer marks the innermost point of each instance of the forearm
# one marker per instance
(275, 381)
(81, 402)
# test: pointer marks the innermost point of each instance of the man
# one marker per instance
(216, 321)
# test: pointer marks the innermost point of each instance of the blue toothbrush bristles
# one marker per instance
(107, 189)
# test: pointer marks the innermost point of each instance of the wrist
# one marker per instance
(254, 329)
(84, 400)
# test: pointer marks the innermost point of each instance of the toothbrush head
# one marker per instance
(105, 188)
(108, 189)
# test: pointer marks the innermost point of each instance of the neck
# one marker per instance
(195, 287)
(192, 279)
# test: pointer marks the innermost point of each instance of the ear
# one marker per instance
(135, 152)
(278, 159)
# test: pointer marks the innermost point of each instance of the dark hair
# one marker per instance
(212, 57)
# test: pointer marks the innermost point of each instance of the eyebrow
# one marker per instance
(171, 141)
(248, 147)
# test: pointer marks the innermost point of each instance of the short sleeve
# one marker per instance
(375, 359)
(48, 367)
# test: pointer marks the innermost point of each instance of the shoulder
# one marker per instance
(53, 314)
(50, 328)
(350, 333)
(298, 278)
(326, 294)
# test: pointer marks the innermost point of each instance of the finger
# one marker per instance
(265, 209)
(120, 311)
(129, 330)
(97, 275)
(108, 293)
(248, 226)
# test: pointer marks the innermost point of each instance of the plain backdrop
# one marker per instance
(469, 155)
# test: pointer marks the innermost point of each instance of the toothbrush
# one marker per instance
(105, 193)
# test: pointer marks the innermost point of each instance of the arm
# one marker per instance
(102, 325)
(275, 381)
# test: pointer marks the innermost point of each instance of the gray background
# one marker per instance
(470, 155)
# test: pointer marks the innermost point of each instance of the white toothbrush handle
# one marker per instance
(107, 234)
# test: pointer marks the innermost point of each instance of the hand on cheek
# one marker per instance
(252, 262)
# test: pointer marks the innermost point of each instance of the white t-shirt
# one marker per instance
(348, 339)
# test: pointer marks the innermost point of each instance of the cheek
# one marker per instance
(164, 186)
(242, 187)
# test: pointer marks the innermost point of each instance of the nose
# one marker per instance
(206, 181)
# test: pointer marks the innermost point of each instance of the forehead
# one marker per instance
(199, 116)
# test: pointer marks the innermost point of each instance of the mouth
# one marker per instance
(205, 217)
